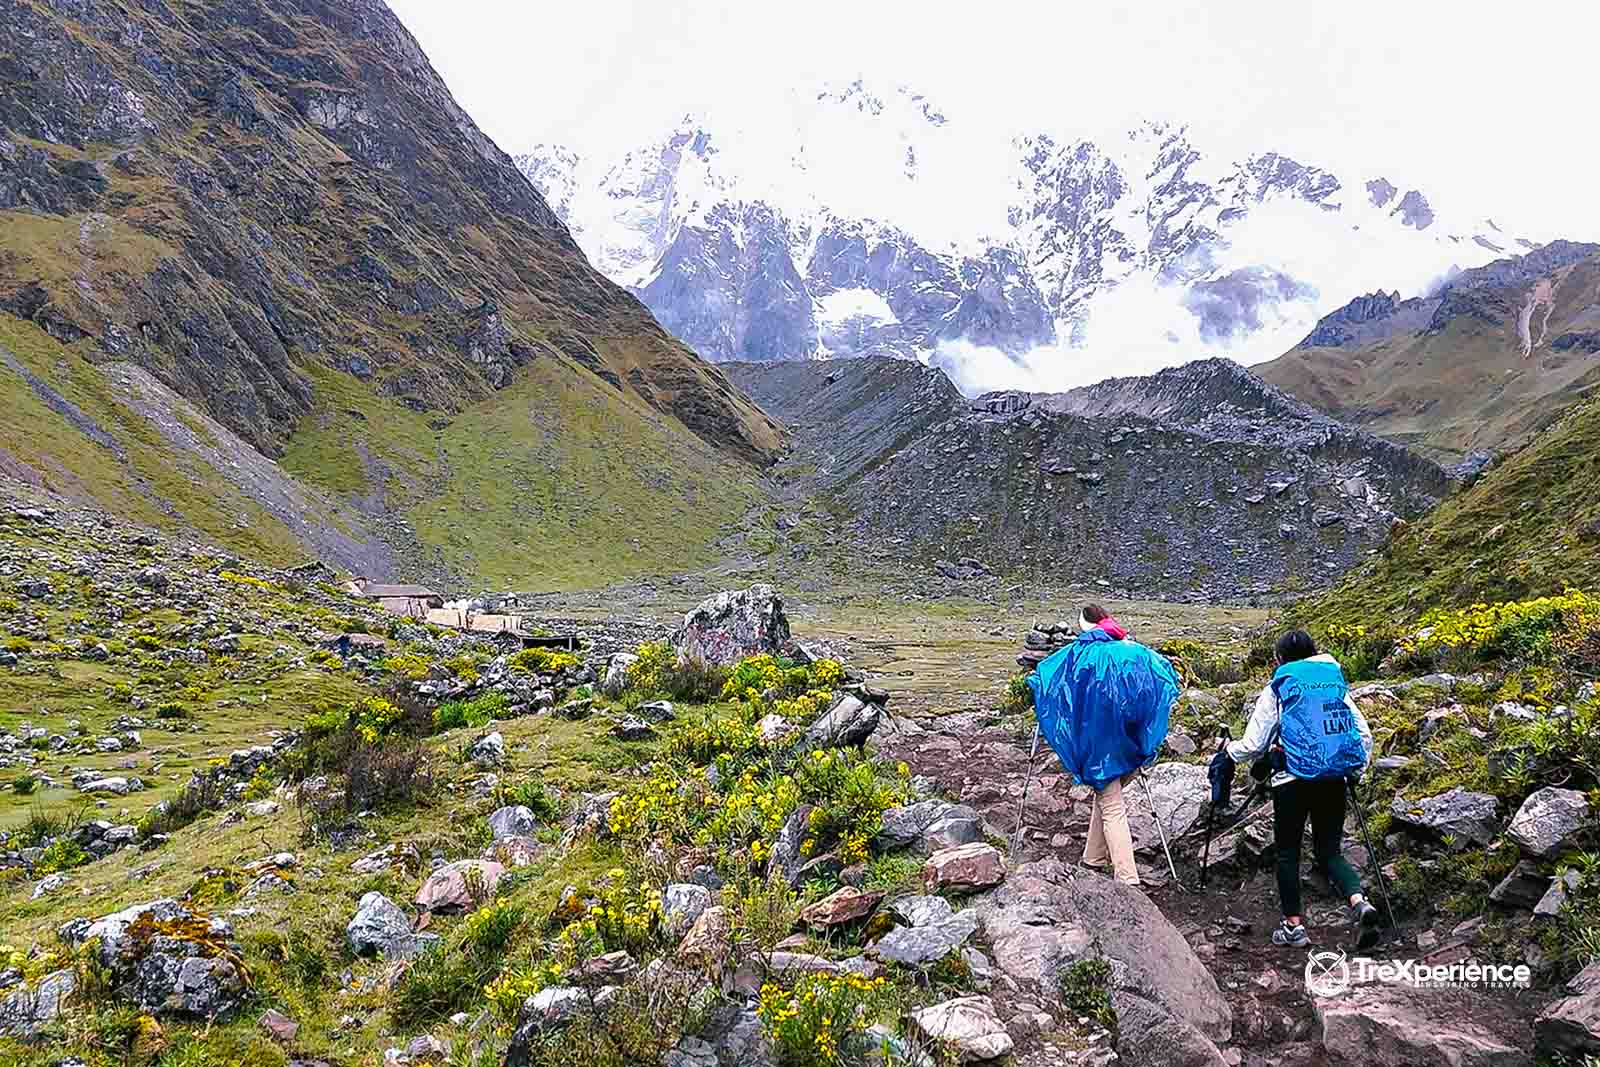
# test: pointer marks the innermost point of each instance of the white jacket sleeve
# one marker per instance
(1258, 732)
(1361, 726)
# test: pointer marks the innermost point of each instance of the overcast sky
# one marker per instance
(1488, 108)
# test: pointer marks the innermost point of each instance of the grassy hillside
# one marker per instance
(1529, 527)
(1447, 374)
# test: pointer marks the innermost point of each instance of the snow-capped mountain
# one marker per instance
(867, 224)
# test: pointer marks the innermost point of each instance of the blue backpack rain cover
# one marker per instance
(1103, 705)
(1318, 732)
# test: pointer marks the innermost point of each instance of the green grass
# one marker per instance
(1529, 527)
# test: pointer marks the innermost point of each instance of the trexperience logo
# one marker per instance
(1329, 974)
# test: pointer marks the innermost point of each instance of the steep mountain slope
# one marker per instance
(867, 223)
(268, 218)
(1529, 527)
(1200, 481)
(1498, 353)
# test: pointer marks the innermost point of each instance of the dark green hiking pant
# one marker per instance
(1323, 800)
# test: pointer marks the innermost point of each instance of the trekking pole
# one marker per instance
(1372, 853)
(1022, 801)
(1160, 829)
(1223, 734)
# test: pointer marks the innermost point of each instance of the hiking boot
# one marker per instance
(1292, 936)
(1366, 918)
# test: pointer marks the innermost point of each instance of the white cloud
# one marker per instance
(1482, 109)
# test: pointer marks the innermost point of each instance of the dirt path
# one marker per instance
(980, 760)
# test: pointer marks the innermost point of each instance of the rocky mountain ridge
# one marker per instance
(264, 226)
(854, 237)
(1198, 482)
(1481, 365)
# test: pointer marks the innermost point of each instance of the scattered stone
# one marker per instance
(928, 826)
(965, 868)
(27, 1009)
(426, 1049)
(843, 905)
(706, 943)
(513, 852)
(488, 751)
(682, 904)
(615, 682)
(1555, 898)
(784, 966)
(380, 928)
(772, 728)
(1395, 1024)
(967, 1026)
(167, 960)
(1548, 820)
(460, 886)
(786, 858)
(261, 808)
(400, 855)
(848, 723)
(1522, 888)
(1461, 814)
(547, 1010)
(1571, 1026)
(512, 821)
(923, 910)
(918, 946)
(632, 729)
(280, 1026)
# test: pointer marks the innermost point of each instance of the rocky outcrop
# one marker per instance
(1395, 1024)
(1459, 813)
(165, 958)
(1047, 916)
(1548, 820)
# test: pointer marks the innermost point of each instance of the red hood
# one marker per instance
(1113, 627)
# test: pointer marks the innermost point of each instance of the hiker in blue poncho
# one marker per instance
(1316, 738)
(1103, 704)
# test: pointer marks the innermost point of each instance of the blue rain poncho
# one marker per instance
(1103, 705)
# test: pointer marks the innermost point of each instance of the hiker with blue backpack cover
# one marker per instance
(1316, 740)
(1103, 704)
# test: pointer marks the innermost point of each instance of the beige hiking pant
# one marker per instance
(1110, 840)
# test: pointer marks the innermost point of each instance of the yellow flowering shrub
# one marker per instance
(850, 798)
(412, 666)
(648, 672)
(625, 916)
(541, 661)
(665, 806)
(1516, 628)
(822, 1019)
(753, 810)
(519, 982)
(753, 676)
(704, 738)
(245, 579)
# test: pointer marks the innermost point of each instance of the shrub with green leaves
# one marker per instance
(821, 1018)
(1086, 990)
(62, 854)
(1018, 696)
(24, 784)
(531, 795)
(451, 976)
(454, 714)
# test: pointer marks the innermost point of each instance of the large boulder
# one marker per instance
(1571, 1026)
(1458, 813)
(615, 681)
(512, 821)
(1548, 820)
(380, 928)
(1397, 1024)
(725, 628)
(1048, 916)
(918, 946)
(167, 959)
(1179, 792)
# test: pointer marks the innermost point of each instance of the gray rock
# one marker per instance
(380, 928)
(786, 859)
(727, 627)
(632, 729)
(488, 751)
(27, 1009)
(966, 1026)
(1522, 888)
(918, 946)
(681, 905)
(550, 1009)
(1179, 791)
(922, 910)
(1548, 820)
(738, 1037)
(1047, 916)
(1464, 815)
(512, 821)
(1555, 898)
(1571, 1026)
(848, 722)
(169, 974)
(928, 826)
(615, 682)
